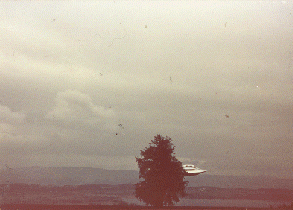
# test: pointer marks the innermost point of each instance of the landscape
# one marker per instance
(95, 186)
(146, 104)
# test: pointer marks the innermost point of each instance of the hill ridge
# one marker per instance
(90, 175)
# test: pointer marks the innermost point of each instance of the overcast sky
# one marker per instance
(91, 83)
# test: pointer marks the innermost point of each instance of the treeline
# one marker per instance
(100, 193)
(91, 194)
(239, 193)
(20, 187)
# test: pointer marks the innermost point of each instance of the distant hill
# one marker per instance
(86, 175)
(254, 182)
(68, 176)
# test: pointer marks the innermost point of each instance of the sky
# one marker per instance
(90, 83)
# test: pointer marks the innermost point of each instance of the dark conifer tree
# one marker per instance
(163, 174)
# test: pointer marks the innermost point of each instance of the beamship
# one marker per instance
(191, 170)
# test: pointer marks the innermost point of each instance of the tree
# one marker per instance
(162, 173)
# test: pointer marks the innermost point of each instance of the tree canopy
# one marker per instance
(163, 174)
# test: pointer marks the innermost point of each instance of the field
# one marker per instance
(104, 196)
(115, 207)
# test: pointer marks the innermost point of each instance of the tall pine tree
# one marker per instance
(162, 173)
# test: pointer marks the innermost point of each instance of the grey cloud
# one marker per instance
(67, 84)
(8, 116)
(72, 105)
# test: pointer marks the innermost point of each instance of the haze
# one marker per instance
(90, 83)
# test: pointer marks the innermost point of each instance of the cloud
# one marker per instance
(179, 77)
(74, 106)
(6, 130)
(8, 116)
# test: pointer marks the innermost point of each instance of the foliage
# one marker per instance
(286, 206)
(162, 173)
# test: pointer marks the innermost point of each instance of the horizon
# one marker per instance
(187, 177)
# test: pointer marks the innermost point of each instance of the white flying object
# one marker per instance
(191, 170)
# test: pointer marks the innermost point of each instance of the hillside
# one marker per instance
(103, 194)
(85, 175)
